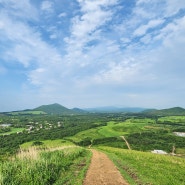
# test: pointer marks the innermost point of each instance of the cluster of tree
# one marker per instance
(106, 141)
(161, 140)
(4, 129)
(70, 125)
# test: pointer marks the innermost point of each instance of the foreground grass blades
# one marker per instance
(46, 167)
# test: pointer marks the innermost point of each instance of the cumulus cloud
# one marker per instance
(26, 44)
(101, 49)
(86, 27)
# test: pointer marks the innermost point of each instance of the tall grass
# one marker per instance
(45, 167)
(47, 144)
(147, 168)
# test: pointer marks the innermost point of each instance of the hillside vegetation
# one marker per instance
(54, 109)
(41, 167)
(175, 111)
(60, 142)
(147, 168)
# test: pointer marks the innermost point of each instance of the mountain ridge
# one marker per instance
(57, 109)
(112, 109)
(170, 111)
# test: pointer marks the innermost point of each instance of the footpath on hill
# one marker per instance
(128, 145)
(102, 171)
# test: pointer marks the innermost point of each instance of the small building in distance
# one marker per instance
(181, 134)
(159, 152)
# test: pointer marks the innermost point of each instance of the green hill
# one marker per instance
(54, 109)
(175, 111)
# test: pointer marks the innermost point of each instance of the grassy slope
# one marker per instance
(147, 167)
(51, 166)
(113, 129)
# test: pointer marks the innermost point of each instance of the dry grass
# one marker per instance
(31, 153)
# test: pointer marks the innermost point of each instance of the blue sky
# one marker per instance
(89, 53)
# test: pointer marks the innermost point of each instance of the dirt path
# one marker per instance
(102, 171)
(126, 142)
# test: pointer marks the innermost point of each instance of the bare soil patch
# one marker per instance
(102, 171)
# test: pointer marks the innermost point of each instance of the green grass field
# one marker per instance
(113, 129)
(147, 168)
(13, 130)
(173, 119)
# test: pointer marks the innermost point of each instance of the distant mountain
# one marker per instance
(54, 109)
(175, 111)
(57, 109)
(77, 110)
(115, 109)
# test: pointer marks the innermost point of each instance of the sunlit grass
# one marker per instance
(90, 133)
(13, 130)
(48, 144)
(38, 167)
(148, 168)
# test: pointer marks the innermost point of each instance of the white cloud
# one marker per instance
(47, 6)
(173, 6)
(164, 7)
(63, 14)
(144, 28)
(20, 9)
(117, 73)
(102, 55)
(87, 27)
(142, 1)
(26, 44)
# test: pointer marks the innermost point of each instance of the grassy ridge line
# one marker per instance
(148, 168)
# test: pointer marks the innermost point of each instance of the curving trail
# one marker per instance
(102, 171)
(126, 142)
